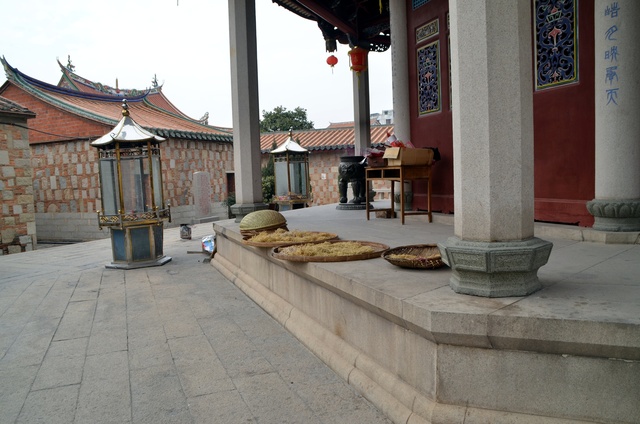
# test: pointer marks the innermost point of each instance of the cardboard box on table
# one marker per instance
(397, 156)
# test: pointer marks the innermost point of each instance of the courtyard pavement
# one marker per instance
(179, 343)
(80, 343)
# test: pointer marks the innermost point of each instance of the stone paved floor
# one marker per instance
(80, 343)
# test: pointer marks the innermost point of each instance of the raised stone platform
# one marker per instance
(424, 354)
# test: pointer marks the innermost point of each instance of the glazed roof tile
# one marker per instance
(325, 139)
(9, 107)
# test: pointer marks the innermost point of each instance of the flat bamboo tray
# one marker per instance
(326, 237)
(378, 249)
(422, 256)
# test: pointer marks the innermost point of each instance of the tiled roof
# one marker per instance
(7, 106)
(152, 110)
(325, 139)
(155, 96)
(372, 121)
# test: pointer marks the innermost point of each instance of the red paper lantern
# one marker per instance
(358, 58)
(332, 61)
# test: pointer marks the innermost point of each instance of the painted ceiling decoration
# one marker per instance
(361, 23)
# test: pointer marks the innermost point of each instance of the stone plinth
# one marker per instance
(498, 269)
(615, 215)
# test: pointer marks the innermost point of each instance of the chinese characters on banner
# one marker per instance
(611, 14)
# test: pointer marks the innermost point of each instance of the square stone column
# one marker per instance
(361, 112)
(493, 252)
(245, 105)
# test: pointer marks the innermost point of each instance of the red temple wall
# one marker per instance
(564, 139)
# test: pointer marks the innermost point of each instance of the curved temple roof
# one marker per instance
(152, 109)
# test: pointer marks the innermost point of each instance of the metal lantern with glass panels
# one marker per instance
(131, 190)
(291, 167)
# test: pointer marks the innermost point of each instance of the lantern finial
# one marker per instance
(125, 108)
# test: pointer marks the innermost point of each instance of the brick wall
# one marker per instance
(323, 175)
(17, 218)
(66, 184)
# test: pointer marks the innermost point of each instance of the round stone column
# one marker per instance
(493, 253)
(616, 206)
(400, 69)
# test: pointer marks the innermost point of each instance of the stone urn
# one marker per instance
(351, 170)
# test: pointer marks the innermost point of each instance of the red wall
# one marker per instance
(52, 120)
(564, 121)
(433, 129)
(564, 136)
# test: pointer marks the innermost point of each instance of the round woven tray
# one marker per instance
(320, 237)
(378, 249)
(427, 256)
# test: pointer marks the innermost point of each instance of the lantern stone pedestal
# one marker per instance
(138, 246)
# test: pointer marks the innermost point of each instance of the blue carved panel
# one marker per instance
(428, 59)
(556, 50)
(417, 3)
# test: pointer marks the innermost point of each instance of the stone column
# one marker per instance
(400, 69)
(493, 252)
(245, 105)
(361, 112)
(617, 91)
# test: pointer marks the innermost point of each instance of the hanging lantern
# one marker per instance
(331, 61)
(358, 59)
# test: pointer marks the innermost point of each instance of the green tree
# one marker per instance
(281, 119)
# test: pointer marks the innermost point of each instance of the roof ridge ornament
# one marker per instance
(70, 66)
(125, 108)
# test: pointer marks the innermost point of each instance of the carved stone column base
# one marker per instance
(615, 215)
(240, 210)
(498, 269)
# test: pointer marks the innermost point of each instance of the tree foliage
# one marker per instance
(281, 119)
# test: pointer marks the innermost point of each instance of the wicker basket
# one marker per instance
(419, 256)
(263, 220)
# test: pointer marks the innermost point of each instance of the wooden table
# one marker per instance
(399, 174)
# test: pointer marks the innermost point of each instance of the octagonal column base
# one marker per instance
(497, 269)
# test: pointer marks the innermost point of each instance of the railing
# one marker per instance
(130, 218)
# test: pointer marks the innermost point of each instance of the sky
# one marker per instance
(185, 44)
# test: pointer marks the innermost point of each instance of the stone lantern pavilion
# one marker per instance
(131, 191)
(291, 167)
